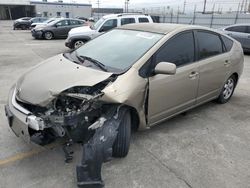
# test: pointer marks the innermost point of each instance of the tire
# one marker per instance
(78, 44)
(227, 90)
(48, 35)
(23, 27)
(122, 142)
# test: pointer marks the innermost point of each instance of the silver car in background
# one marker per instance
(240, 32)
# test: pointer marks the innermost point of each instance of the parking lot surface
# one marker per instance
(208, 147)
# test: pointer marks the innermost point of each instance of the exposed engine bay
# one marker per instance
(79, 115)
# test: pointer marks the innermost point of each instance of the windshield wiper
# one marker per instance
(97, 63)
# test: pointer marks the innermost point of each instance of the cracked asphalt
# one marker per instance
(209, 147)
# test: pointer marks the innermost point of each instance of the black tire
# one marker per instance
(78, 44)
(122, 142)
(227, 91)
(48, 35)
(23, 27)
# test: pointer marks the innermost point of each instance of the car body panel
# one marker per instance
(68, 75)
(178, 92)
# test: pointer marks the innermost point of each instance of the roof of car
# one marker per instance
(241, 24)
(124, 15)
(162, 28)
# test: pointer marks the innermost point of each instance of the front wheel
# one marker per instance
(78, 44)
(227, 90)
(122, 142)
(48, 35)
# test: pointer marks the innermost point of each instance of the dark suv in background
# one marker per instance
(56, 29)
(25, 23)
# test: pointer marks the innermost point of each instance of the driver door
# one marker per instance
(170, 94)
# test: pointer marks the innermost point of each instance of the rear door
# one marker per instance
(214, 64)
(62, 28)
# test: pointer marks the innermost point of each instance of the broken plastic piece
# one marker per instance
(97, 151)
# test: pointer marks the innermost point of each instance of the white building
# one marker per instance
(58, 9)
(13, 9)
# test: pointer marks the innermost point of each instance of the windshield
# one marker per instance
(119, 49)
(49, 20)
(54, 22)
(97, 24)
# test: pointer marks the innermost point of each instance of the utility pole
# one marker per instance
(242, 5)
(184, 6)
(245, 9)
(126, 6)
(98, 8)
(205, 4)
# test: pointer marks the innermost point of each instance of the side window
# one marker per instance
(143, 20)
(109, 24)
(227, 42)
(62, 23)
(125, 21)
(74, 22)
(81, 22)
(178, 50)
(241, 29)
(209, 44)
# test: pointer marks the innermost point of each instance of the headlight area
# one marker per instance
(69, 114)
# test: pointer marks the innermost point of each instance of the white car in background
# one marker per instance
(80, 35)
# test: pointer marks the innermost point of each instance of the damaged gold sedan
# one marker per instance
(132, 77)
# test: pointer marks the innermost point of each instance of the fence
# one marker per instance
(209, 20)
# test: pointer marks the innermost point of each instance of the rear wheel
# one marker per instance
(78, 44)
(122, 142)
(48, 35)
(227, 90)
(23, 27)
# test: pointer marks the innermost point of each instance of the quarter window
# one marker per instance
(209, 44)
(241, 29)
(74, 22)
(178, 50)
(227, 42)
(143, 20)
(125, 21)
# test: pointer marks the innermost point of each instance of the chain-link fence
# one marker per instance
(209, 20)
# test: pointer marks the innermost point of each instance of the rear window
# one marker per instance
(227, 42)
(143, 20)
(125, 21)
(241, 29)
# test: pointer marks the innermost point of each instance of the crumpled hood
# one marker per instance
(81, 30)
(45, 81)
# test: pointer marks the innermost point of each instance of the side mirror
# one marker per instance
(165, 68)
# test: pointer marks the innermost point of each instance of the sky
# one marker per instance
(225, 5)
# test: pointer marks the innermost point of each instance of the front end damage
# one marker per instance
(79, 114)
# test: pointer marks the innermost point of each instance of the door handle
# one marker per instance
(193, 74)
(227, 62)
